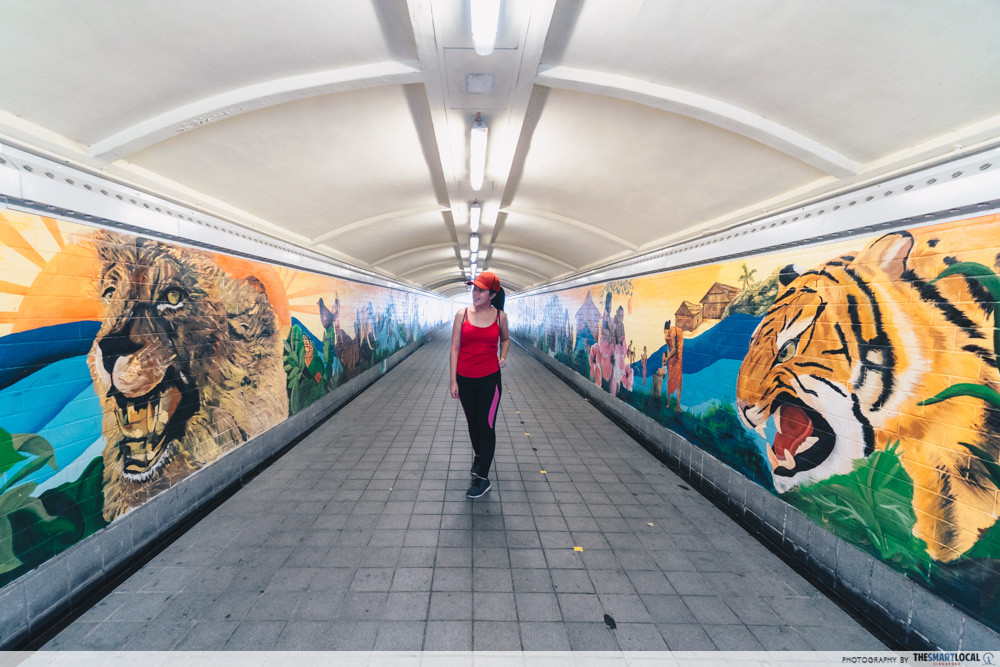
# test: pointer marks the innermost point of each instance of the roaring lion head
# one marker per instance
(187, 364)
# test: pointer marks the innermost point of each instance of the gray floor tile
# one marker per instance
(591, 637)
(493, 606)
(252, 634)
(207, 636)
(537, 636)
(495, 636)
(400, 636)
(639, 637)
(537, 607)
(448, 636)
(450, 605)
(407, 606)
(685, 637)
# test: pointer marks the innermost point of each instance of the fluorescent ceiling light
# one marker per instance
(472, 271)
(485, 17)
(474, 242)
(475, 213)
(477, 153)
(475, 255)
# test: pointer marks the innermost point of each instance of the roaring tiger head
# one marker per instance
(187, 364)
(842, 361)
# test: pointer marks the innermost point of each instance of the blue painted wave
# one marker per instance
(27, 352)
(58, 403)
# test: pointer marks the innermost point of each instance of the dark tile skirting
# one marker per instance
(910, 615)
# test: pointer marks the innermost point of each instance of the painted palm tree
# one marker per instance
(746, 276)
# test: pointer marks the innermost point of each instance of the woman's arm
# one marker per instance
(504, 339)
(456, 342)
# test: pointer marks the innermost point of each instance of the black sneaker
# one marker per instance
(479, 488)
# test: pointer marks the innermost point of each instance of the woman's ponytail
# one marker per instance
(498, 299)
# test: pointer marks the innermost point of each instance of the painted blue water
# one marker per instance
(58, 403)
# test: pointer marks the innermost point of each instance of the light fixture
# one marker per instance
(474, 243)
(485, 17)
(475, 213)
(477, 153)
(475, 255)
(472, 271)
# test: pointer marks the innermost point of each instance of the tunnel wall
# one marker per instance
(876, 357)
(141, 378)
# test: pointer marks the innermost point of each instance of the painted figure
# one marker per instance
(608, 355)
(673, 359)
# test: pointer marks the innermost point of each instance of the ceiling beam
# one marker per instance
(412, 251)
(497, 266)
(541, 255)
(381, 217)
(572, 222)
(250, 98)
(453, 262)
(703, 108)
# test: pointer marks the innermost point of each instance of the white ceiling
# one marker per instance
(617, 127)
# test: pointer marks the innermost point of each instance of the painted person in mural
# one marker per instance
(673, 361)
(479, 331)
(608, 357)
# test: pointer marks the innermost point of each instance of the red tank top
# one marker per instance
(477, 353)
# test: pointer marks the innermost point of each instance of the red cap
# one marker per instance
(487, 281)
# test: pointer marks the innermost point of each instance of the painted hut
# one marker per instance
(716, 299)
(688, 316)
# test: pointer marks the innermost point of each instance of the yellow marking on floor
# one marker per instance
(577, 548)
(543, 472)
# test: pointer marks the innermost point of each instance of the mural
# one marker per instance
(127, 364)
(858, 380)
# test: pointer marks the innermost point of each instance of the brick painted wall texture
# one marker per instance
(857, 380)
(127, 363)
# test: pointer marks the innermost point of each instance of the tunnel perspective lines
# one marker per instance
(360, 538)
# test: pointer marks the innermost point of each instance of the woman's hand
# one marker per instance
(454, 389)
(503, 363)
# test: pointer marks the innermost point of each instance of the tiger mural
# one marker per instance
(846, 354)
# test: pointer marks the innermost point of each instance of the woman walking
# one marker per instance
(475, 371)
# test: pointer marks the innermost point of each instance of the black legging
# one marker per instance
(480, 399)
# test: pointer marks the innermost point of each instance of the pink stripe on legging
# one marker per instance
(493, 408)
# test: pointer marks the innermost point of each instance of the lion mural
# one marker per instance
(845, 361)
(187, 365)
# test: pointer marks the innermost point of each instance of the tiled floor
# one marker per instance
(361, 538)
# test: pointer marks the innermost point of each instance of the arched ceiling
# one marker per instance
(615, 128)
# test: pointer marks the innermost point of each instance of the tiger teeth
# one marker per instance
(788, 461)
(806, 444)
(760, 431)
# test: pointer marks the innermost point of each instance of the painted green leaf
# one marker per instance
(985, 275)
(9, 455)
(14, 499)
(965, 389)
(29, 468)
(8, 561)
(34, 444)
